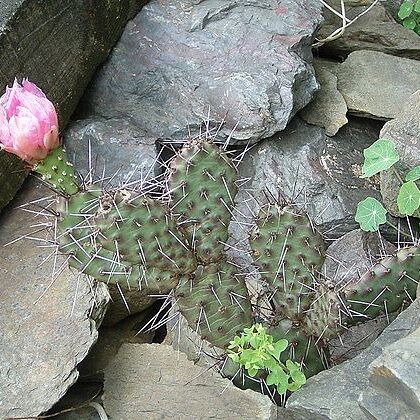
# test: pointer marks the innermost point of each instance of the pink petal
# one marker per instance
(51, 139)
(32, 88)
(5, 137)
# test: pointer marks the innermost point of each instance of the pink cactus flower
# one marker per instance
(28, 122)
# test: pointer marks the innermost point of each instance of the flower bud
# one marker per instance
(28, 122)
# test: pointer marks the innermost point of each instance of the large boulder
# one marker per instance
(57, 44)
(180, 63)
(49, 314)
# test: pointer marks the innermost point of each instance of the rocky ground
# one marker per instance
(72, 346)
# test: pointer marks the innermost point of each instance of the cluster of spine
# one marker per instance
(128, 238)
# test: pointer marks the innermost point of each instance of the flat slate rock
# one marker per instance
(376, 30)
(394, 388)
(404, 130)
(377, 85)
(328, 108)
(154, 381)
(57, 45)
(46, 329)
(334, 394)
(179, 63)
(120, 151)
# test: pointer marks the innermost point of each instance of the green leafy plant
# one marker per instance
(256, 351)
(409, 13)
(380, 156)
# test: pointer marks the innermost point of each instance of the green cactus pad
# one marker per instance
(385, 288)
(289, 253)
(58, 171)
(143, 232)
(215, 303)
(323, 319)
(202, 184)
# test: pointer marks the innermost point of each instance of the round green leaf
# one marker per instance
(379, 156)
(417, 6)
(413, 175)
(298, 377)
(409, 23)
(293, 387)
(408, 199)
(405, 9)
(370, 214)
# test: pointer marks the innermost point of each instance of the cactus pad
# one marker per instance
(143, 232)
(58, 171)
(202, 184)
(385, 288)
(289, 254)
(215, 303)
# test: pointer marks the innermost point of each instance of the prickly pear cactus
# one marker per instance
(128, 238)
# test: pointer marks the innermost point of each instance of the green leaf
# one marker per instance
(409, 23)
(405, 9)
(417, 6)
(252, 372)
(414, 174)
(370, 214)
(379, 156)
(279, 378)
(234, 357)
(408, 199)
(417, 29)
(279, 347)
(293, 386)
(298, 377)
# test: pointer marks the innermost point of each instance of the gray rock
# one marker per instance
(12, 175)
(47, 327)
(394, 388)
(178, 63)
(119, 149)
(376, 30)
(404, 130)
(353, 254)
(328, 109)
(156, 382)
(318, 172)
(58, 45)
(111, 338)
(125, 302)
(333, 394)
(367, 80)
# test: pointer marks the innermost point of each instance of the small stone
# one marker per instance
(376, 30)
(155, 381)
(377, 85)
(404, 130)
(328, 108)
